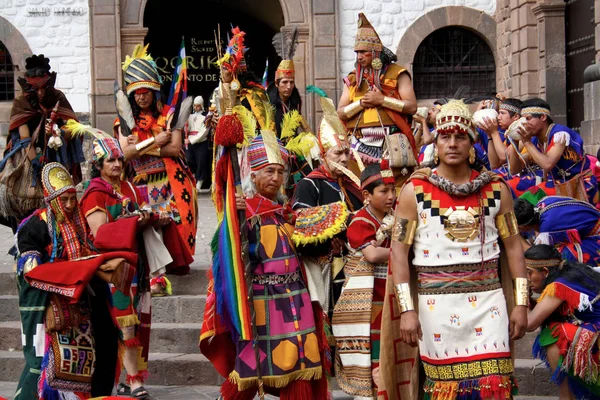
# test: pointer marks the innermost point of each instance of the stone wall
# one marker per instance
(48, 28)
(391, 19)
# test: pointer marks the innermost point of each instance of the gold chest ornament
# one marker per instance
(461, 224)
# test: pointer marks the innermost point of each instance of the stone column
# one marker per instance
(550, 16)
(106, 61)
(130, 37)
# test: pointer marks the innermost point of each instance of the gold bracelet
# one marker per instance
(144, 146)
(521, 287)
(152, 151)
(404, 298)
(352, 109)
(404, 230)
(507, 224)
(393, 103)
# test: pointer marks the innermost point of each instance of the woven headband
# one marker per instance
(539, 264)
(535, 110)
(510, 108)
(385, 176)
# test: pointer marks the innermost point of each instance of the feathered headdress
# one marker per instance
(332, 131)
(140, 71)
(285, 44)
(233, 58)
(105, 145)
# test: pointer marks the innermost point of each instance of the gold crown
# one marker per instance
(455, 116)
(285, 70)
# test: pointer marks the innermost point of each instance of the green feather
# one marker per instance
(317, 90)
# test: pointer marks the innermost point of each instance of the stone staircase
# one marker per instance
(176, 320)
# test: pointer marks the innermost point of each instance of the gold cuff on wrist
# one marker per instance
(393, 104)
(521, 288)
(352, 109)
(507, 224)
(403, 230)
(145, 145)
(404, 297)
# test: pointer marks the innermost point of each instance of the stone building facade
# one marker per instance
(526, 37)
(60, 30)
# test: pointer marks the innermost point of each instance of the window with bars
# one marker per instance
(452, 57)
(7, 78)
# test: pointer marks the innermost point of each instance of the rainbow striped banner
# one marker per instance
(228, 267)
(178, 90)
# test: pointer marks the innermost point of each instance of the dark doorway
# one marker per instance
(452, 57)
(7, 78)
(580, 49)
(170, 20)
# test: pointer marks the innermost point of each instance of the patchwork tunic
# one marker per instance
(462, 308)
(287, 338)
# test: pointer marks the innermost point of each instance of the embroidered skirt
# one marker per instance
(464, 319)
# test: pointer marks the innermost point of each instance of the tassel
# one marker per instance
(135, 342)
(300, 389)
(229, 131)
(230, 391)
(139, 377)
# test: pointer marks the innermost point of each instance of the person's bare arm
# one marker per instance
(407, 94)
(545, 161)
(344, 101)
(516, 264)
(542, 311)
(516, 163)
(172, 148)
(95, 220)
(406, 210)
(376, 255)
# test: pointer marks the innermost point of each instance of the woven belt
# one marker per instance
(276, 279)
(461, 278)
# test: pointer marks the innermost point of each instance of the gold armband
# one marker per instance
(145, 146)
(352, 109)
(393, 103)
(521, 287)
(152, 151)
(403, 295)
(507, 224)
(404, 230)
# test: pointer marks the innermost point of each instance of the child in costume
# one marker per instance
(568, 340)
(357, 315)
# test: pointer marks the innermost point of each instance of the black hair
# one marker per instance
(515, 103)
(295, 101)
(96, 171)
(537, 102)
(369, 171)
(525, 213)
(387, 57)
(571, 271)
(137, 109)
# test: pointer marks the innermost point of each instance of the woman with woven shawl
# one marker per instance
(356, 318)
(52, 234)
(571, 226)
(451, 218)
(156, 157)
(288, 342)
(569, 319)
(40, 105)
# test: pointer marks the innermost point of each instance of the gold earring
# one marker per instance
(472, 155)
(436, 156)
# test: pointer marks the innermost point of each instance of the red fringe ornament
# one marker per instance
(230, 391)
(135, 342)
(139, 377)
(229, 131)
(297, 390)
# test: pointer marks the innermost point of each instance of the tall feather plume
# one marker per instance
(292, 44)
(461, 92)
(346, 172)
(184, 112)
(79, 129)
(316, 90)
(248, 123)
(124, 111)
(139, 51)
(289, 125)
(269, 115)
(278, 44)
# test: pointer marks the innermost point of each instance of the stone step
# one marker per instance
(8, 283)
(175, 338)
(174, 369)
(10, 336)
(523, 346)
(9, 307)
(193, 283)
(178, 308)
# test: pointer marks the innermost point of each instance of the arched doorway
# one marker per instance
(451, 57)
(7, 75)
(164, 38)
